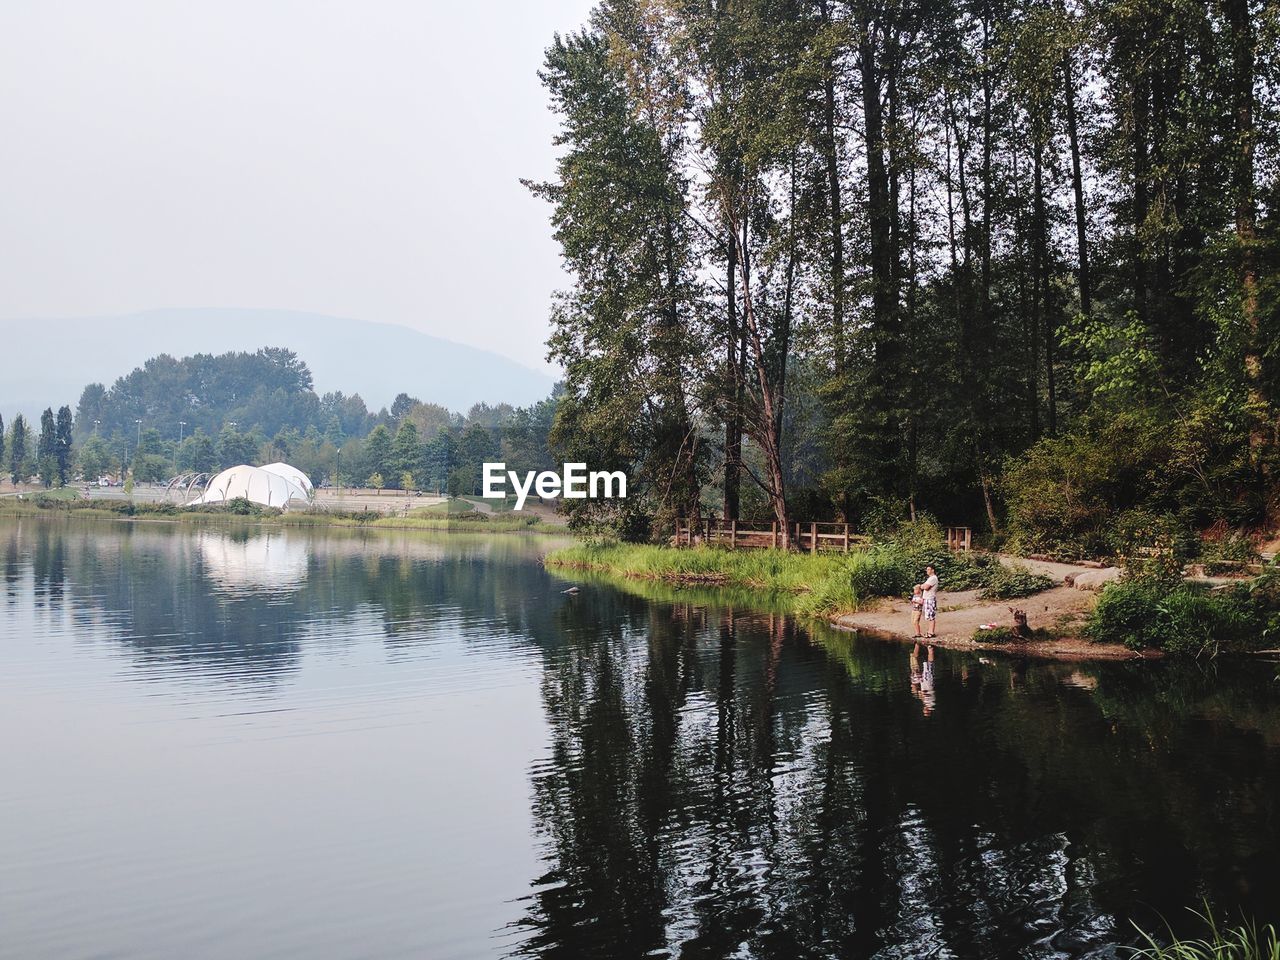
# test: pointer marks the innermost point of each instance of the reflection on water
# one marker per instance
(327, 744)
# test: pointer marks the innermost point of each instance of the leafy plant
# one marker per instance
(1012, 582)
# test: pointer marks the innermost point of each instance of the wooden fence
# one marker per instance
(747, 535)
(810, 537)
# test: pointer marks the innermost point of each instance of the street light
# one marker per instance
(95, 427)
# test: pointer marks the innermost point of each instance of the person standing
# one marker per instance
(930, 588)
(917, 608)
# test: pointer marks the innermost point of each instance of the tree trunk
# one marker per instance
(1031, 329)
(1041, 266)
(733, 424)
(831, 159)
(1238, 17)
(1077, 186)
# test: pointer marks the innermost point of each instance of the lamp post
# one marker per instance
(139, 444)
(95, 427)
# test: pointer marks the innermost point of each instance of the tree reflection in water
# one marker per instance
(727, 784)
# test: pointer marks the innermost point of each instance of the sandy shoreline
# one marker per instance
(1060, 610)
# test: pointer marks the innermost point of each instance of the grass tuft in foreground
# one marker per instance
(1245, 941)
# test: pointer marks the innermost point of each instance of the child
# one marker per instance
(917, 606)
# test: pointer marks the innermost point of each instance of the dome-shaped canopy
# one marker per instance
(254, 484)
(292, 474)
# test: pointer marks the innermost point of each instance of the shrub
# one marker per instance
(1063, 493)
(1180, 619)
(1014, 582)
(1152, 544)
(882, 572)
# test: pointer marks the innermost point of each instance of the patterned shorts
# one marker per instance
(931, 608)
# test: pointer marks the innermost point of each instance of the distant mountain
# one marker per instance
(48, 362)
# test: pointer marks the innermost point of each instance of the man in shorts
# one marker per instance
(930, 588)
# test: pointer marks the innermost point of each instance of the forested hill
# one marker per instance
(203, 413)
(267, 391)
(1011, 262)
(46, 361)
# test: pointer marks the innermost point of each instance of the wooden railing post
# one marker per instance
(813, 538)
(773, 531)
(846, 538)
(733, 534)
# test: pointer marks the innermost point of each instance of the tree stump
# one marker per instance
(1021, 631)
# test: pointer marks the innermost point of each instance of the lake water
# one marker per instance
(326, 745)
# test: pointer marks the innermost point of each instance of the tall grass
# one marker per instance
(1246, 941)
(822, 584)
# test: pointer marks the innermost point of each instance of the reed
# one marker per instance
(1244, 941)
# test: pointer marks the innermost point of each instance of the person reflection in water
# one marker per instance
(922, 679)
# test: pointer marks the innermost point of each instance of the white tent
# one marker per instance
(254, 484)
(293, 475)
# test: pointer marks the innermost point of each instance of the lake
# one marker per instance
(312, 744)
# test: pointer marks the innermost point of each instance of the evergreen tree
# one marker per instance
(377, 453)
(46, 449)
(406, 451)
(63, 446)
(18, 449)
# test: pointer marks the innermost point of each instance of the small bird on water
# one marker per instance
(571, 590)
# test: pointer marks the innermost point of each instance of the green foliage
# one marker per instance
(1116, 361)
(1012, 582)
(18, 468)
(94, 459)
(1244, 941)
(1062, 493)
(994, 635)
(824, 584)
(1181, 618)
(883, 572)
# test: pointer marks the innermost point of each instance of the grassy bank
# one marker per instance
(446, 516)
(817, 585)
(1142, 613)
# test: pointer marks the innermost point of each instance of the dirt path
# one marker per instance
(1061, 610)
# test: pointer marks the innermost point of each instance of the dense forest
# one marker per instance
(204, 413)
(1010, 262)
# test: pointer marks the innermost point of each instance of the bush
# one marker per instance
(1149, 544)
(1063, 493)
(882, 572)
(1181, 619)
(1014, 582)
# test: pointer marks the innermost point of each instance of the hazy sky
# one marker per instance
(358, 159)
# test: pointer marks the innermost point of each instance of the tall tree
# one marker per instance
(18, 449)
(46, 449)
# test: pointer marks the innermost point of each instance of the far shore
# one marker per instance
(351, 508)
